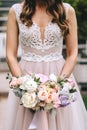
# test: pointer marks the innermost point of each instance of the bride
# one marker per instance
(40, 26)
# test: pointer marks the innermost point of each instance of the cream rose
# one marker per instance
(29, 100)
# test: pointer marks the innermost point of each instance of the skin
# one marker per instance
(42, 19)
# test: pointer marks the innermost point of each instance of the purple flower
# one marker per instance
(64, 99)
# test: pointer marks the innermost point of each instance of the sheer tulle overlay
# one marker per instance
(45, 59)
(72, 117)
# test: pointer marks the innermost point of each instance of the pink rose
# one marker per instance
(55, 97)
(19, 81)
(56, 104)
(57, 87)
(43, 78)
(42, 95)
(13, 82)
(72, 83)
(49, 98)
(56, 101)
(16, 81)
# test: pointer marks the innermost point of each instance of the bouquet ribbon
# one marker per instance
(40, 121)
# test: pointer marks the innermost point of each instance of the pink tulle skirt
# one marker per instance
(72, 117)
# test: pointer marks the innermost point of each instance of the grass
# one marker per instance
(85, 100)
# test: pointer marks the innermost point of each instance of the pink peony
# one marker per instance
(43, 78)
(49, 98)
(42, 95)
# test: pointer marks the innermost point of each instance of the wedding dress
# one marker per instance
(43, 56)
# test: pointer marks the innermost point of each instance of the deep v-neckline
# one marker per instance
(42, 36)
(39, 29)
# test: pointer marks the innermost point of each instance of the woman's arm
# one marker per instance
(71, 45)
(12, 44)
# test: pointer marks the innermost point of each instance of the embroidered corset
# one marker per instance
(33, 47)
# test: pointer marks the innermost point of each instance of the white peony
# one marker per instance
(29, 85)
(52, 77)
(66, 86)
(26, 77)
(29, 100)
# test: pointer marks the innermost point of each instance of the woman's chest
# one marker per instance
(35, 36)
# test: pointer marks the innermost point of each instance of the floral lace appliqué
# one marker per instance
(31, 38)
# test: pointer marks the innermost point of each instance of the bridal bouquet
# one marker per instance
(38, 91)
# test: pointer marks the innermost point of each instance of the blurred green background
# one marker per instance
(81, 12)
(80, 7)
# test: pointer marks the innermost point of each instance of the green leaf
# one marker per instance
(72, 90)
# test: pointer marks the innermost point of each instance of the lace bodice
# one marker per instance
(34, 48)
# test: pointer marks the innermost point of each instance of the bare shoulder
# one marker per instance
(71, 11)
(11, 11)
(72, 16)
(15, 8)
(12, 14)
